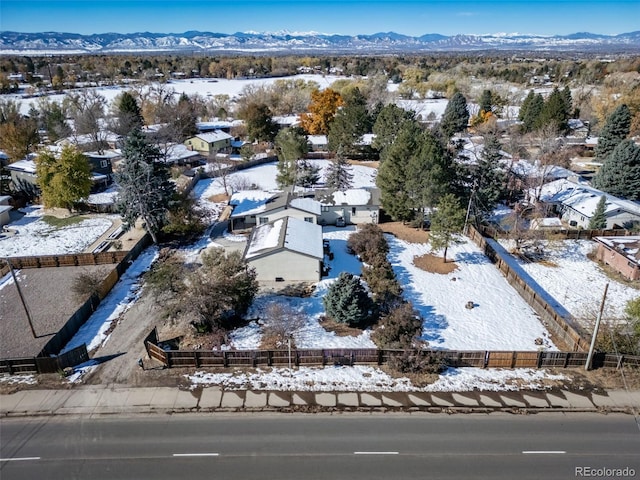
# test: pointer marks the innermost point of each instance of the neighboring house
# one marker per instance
(548, 223)
(84, 142)
(102, 163)
(210, 143)
(177, 153)
(621, 253)
(286, 250)
(576, 203)
(354, 206)
(255, 207)
(222, 125)
(23, 176)
(5, 208)
(286, 121)
(318, 143)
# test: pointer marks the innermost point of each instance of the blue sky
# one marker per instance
(409, 17)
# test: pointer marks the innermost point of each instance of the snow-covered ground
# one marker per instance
(577, 282)
(372, 379)
(36, 237)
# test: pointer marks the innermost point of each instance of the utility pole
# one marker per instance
(466, 218)
(24, 303)
(595, 329)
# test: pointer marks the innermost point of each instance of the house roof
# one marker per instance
(253, 202)
(627, 246)
(286, 233)
(177, 152)
(26, 166)
(352, 197)
(215, 136)
(583, 198)
(318, 140)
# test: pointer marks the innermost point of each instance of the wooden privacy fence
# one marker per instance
(70, 260)
(582, 234)
(45, 364)
(370, 356)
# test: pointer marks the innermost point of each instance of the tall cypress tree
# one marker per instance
(531, 119)
(489, 177)
(615, 130)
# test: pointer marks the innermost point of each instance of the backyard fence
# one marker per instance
(581, 234)
(560, 322)
(378, 357)
(70, 260)
(43, 364)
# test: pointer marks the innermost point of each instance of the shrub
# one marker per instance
(417, 361)
(280, 323)
(368, 242)
(347, 301)
(86, 284)
(400, 329)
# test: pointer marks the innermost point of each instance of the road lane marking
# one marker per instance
(543, 452)
(196, 454)
(375, 453)
(19, 459)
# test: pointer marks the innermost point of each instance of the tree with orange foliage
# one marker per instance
(323, 107)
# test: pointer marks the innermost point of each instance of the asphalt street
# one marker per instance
(296, 446)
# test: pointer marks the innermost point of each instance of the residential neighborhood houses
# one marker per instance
(296, 219)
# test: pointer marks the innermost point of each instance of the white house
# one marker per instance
(576, 204)
(286, 250)
(354, 206)
(5, 208)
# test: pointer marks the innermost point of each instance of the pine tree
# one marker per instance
(145, 188)
(308, 174)
(64, 180)
(346, 301)
(291, 146)
(489, 177)
(620, 172)
(599, 220)
(351, 122)
(568, 100)
(339, 176)
(393, 175)
(555, 111)
(526, 104)
(615, 130)
(447, 222)
(456, 115)
(128, 114)
(486, 101)
(259, 122)
(531, 119)
(388, 124)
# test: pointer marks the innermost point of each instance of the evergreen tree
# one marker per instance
(64, 180)
(347, 301)
(351, 122)
(526, 104)
(486, 101)
(145, 188)
(456, 115)
(308, 174)
(615, 130)
(291, 146)
(128, 114)
(555, 111)
(620, 172)
(447, 222)
(393, 174)
(259, 122)
(599, 221)
(488, 177)
(387, 125)
(568, 101)
(531, 119)
(339, 176)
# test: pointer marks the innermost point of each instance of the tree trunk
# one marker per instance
(444, 257)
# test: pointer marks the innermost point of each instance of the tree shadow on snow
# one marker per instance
(472, 258)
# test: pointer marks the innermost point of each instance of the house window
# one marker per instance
(325, 208)
(264, 220)
(103, 164)
(353, 210)
(308, 219)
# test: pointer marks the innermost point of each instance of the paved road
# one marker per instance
(317, 447)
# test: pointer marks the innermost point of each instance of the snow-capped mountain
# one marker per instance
(53, 42)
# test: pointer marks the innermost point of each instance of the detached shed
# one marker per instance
(286, 250)
(621, 253)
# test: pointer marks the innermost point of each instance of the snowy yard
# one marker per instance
(36, 237)
(577, 282)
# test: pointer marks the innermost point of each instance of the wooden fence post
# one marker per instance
(225, 360)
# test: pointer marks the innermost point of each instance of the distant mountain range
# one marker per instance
(280, 42)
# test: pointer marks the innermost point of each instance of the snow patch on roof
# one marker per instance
(307, 205)
(304, 237)
(264, 237)
(249, 202)
(352, 196)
